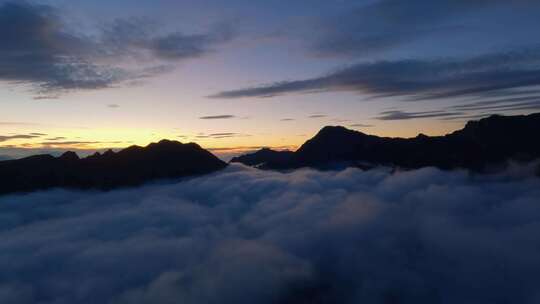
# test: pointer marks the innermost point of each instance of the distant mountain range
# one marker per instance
(129, 167)
(480, 146)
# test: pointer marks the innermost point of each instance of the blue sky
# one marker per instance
(97, 74)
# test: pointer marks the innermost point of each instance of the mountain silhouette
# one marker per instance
(129, 167)
(263, 156)
(479, 146)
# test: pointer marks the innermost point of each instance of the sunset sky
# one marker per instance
(237, 75)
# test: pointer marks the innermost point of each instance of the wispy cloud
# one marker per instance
(471, 110)
(56, 138)
(135, 35)
(222, 135)
(4, 138)
(378, 26)
(68, 143)
(401, 115)
(416, 79)
(530, 103)
(17, 123)
(466, 117)
(39, 49)
(359, 125)
(224, 116)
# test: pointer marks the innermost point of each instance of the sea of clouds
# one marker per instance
(248, 236)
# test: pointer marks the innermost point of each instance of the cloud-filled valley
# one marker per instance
(248, 236)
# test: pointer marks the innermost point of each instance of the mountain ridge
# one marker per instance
(131, 166)
(477, 146)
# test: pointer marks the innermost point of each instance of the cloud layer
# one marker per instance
(39, 49)
(401, 115)
(249, 236)
(225, 116)
(417, 79)
(383, 25)
(20, 136)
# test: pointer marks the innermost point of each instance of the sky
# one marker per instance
(238, 75)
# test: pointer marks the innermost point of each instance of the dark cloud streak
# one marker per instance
(218, 117)
(359, 125)
(56, 138)
(4, 138)
(416, 79)
(222, 135)
(131, 36)
(68, 143)
(401, 115)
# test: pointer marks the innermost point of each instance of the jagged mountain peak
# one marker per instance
(129, 167)
(480, 144)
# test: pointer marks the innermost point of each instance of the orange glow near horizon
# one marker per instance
(218, 143)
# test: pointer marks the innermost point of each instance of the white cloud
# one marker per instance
(249, 236)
